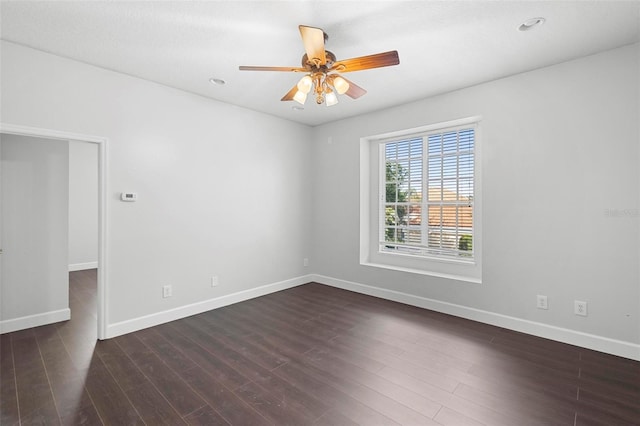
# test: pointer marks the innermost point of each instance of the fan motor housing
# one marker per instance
(330, 60)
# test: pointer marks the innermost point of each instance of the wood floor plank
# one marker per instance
(71, 398)
(449, 417)
(607, 380)
(152, 407)
(200, 356)
(505, 375)
(35, 398)
(626, 410)
(206, 416)
(519, 406)
(274, 320)
(171, 356)
(252, 342)
(365, 360)
(273, 333)
(536, 395)
(174, 389)
(421, 366)
(312, 313)
(228, 357)
(113, 406)
(227, 404)
(334, 418)
(9, 414)
(66, 380)
(309, 355)
(304, 377)
(397, 402)
(43, 414)
(518, 369)
(463, 406)
(83, 416)
(277, 410)
(121, 367)
(296, 399)
(243, 346)
(590, 415)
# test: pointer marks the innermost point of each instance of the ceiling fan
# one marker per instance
(322, 70)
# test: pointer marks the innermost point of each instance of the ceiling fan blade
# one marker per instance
(290, 94)
(378, 60)
(290, 69)
(354, 91)
(313, 41)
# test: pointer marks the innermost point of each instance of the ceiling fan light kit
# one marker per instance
(322, 70)
(321, 84)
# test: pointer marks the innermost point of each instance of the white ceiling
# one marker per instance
(443, 45)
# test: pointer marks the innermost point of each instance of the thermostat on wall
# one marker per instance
(129, 196)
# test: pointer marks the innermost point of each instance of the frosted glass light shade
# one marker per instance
(305, 83)
(331, 99)
(300, 97)
(341, 85)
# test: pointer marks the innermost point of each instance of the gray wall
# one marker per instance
(245, 196)
(222, 190)
(35, 192)
(83, 205)
(560, 157)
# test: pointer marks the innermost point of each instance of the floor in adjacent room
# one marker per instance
(308, 355)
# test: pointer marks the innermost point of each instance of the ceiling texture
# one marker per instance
(443, 45)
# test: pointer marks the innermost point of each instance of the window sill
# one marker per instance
(424, 272)
(429, 258)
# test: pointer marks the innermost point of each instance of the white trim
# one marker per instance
(30, 321)
(102, 142)
(48, 133)
(423, 272)
(83, 266)
(423, 129)
(135, 324)
(590, 341)
(372, 222)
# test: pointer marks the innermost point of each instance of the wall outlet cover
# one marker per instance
(166, 291)
(542, 302)
(580, 308)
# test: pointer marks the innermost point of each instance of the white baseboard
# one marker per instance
(129, 326)
(83, 266)
(16, 324)
(572, 337)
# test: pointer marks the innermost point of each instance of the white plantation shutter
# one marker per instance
(428, 194)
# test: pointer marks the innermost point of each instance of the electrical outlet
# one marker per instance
(580, 308)
(305, 261)
(215, 281)
(542, 302)
(166, 291)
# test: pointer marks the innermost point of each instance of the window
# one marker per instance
(428, 192)
(420, 204)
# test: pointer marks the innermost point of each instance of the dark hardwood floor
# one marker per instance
(305, 356)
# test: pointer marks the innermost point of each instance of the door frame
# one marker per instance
(102, 289)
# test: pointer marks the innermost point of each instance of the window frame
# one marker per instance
(372, 202)
(425, 203)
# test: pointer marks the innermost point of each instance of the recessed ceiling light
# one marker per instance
(530, 24)
(217, 81)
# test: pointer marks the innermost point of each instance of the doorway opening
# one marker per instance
(100, 276)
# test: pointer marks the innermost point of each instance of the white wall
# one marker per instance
(34, 286)
(83, 205)
(228, 191)
(222, 190)
(560, 150)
